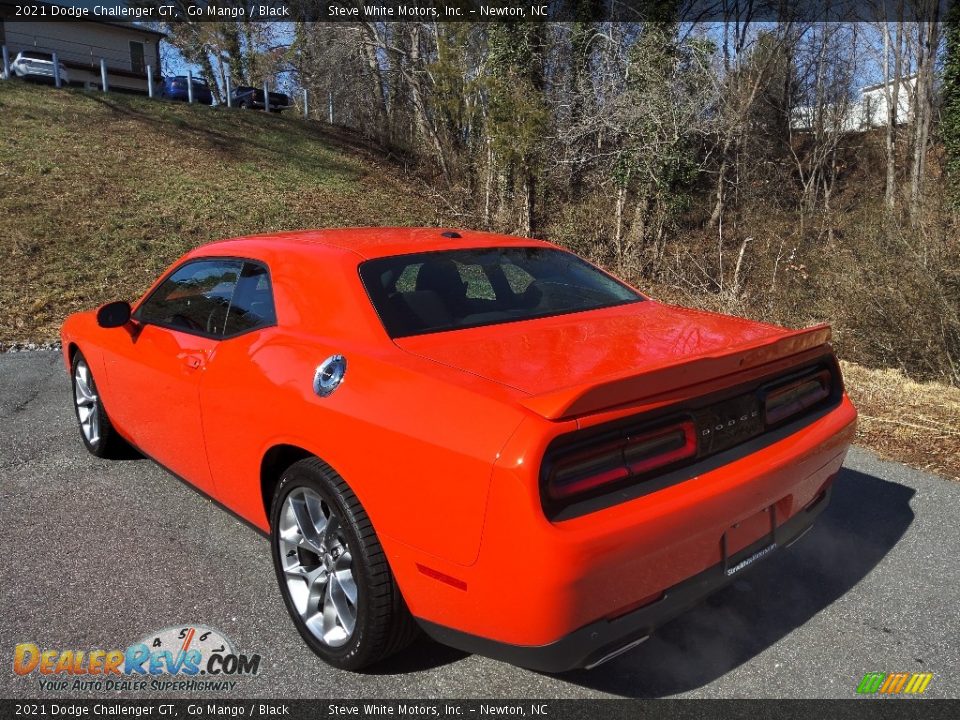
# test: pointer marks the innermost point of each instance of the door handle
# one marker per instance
(193, 361)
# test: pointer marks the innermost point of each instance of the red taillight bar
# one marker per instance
(795, 397)
(618, 460)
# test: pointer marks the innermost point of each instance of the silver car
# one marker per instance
(36, 64)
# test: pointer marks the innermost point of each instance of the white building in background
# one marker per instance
(868, 110)
(127, 48)
(871, 108)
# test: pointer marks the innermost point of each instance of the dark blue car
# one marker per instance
(176, 88)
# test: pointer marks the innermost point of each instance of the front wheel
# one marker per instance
(332, 571)
(96, 430)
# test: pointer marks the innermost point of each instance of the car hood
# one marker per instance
(548, 354)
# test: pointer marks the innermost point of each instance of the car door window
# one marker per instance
(252, 305)
(195, 298)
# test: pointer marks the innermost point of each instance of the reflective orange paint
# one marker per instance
(441, 436)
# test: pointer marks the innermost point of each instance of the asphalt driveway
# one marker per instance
(100, 554)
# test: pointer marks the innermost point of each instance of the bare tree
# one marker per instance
(825, 65)
(927, 38)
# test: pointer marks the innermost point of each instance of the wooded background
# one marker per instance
(709, 163)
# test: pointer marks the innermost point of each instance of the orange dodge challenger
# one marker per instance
(480, 436)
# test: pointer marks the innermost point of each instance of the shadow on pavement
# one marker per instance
(866, 518)
(424, 654)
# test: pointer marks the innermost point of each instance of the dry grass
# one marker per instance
(916, 423)
(102, 192)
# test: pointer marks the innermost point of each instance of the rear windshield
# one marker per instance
(455, 289)
(34, 55)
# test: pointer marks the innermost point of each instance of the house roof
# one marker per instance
(904, 79)
(131, 26)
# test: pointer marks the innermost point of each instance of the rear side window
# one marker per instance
(252, 306)
(212, 297)
(453, 289)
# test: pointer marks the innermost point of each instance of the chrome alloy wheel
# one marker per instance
(88, 404)
(318, 566)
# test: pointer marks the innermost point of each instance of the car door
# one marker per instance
(158, 369)
(232, 395)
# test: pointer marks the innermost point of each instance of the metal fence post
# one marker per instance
(190, 86)
(306, 104)
(149, 81)
(6, 63)
(266, 97)
(56, 71)
(330, 106)
(103, 75)
(229, 92)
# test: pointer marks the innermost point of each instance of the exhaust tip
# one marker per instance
(617, 653)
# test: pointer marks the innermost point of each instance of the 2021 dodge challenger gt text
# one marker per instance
(480, 436)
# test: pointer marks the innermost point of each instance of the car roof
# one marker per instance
(367, 243)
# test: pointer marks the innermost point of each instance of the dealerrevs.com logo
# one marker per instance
(184, 658)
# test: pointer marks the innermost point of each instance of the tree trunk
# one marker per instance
(923, 110)
(891, 91)
(369, 46)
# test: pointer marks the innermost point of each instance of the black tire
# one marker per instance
(107, 443)
(243, 105)
(383, 625)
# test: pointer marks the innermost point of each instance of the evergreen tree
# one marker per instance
(950, 108)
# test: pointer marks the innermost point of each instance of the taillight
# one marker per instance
(781, 403)
(611, 462)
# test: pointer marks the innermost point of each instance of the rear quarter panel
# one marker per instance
(416, 441)
(417, 451)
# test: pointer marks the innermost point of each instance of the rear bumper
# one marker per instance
(605, 639)
(538, 584)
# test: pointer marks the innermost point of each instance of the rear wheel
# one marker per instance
(96, 430)
(332, 571)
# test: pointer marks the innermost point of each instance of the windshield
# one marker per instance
(455, 289)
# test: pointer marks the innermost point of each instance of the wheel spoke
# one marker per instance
(309, 536)
(344, 579)
(345, 612)
(94, 425)
(330, 528)
(83, 390)
(308, 576)
(329, 613)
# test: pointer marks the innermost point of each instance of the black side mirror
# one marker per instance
(113, 315)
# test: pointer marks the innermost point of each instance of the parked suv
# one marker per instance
(176, 88)
(37, 65)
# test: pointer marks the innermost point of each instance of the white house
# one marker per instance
(127, 48)
(871, 108)
(868, 110)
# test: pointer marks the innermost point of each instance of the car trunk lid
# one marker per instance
(575, 364)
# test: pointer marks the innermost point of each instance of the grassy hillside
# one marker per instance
(102, 191)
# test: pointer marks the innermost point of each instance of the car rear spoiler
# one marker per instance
(616, 390)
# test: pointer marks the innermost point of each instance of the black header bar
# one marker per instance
(154, 11)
